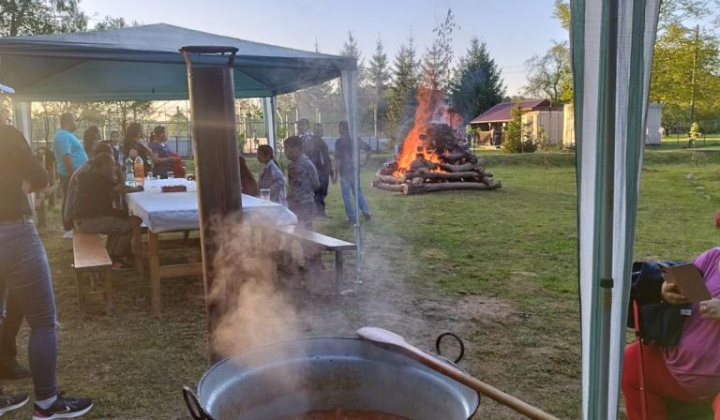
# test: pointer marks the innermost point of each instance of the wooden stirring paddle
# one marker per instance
(392, 341)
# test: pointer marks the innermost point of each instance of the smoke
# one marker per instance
(253, 310)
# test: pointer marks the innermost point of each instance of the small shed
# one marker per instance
(491, 123)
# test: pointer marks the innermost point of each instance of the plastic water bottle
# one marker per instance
(139, 171)
(129, 173)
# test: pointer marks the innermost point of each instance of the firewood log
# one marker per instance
(450, 176)
(387, 187)
(389, 179)
(477, 167)
(410, 189)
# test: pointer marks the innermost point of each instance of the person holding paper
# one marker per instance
(689, 371)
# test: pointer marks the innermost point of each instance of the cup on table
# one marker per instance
(171, 175)
(265, 195)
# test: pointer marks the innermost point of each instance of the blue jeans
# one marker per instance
(348, 192)
(25, 272)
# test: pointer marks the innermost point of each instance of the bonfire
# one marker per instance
(433, 157)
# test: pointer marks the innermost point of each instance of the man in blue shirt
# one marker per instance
(69, 155)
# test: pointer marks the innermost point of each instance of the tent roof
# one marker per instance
(503, 112)
(144, 63)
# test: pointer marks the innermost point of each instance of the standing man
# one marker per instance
(317, 150)
(114, 144)
(304, 132)
(69, 155)
(346, 169)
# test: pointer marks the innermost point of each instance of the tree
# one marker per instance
(319, 98)
(351, 49)
(478, 84)
(29, 17)
(562, 13)
(685, 72)
(516, 140)
(438, 57)
(549, 76)
(113, 23)
(178, 125)
(378, 79)
(401, 98)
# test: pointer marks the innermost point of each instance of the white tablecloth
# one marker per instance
(168, 212)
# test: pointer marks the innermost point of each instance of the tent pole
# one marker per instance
(269, 117)
(606, 280)
(349, 85)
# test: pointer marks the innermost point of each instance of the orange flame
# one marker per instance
(432, 108)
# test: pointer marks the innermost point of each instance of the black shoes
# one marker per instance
(64, 408)
(16, 372)
(10, 403)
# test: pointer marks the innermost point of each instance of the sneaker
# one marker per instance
(15, 372)
(10, 403)
(367, 217)
(64, 408)
(68, 234)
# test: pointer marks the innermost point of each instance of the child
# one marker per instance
(304, 182)
(271, 177)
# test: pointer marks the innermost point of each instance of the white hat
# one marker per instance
(6, 89)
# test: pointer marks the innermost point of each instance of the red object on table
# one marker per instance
(174, 188)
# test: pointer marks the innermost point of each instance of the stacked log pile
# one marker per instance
(453, 168)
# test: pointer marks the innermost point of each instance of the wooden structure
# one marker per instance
(323, 243)
(441, 164)
(92, 267)
(150, 249)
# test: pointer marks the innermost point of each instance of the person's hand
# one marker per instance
(710, 309)
(671, 294)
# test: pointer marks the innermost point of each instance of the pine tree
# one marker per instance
(401, 98)
(378, 79)
(478, 83)
(351, 49)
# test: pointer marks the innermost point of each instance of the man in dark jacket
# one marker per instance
(317, 151)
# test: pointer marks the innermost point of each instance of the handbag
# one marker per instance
(661, 323)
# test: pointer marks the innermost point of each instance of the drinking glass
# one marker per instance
(265, 195)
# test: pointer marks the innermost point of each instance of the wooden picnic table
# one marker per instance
(162, 213)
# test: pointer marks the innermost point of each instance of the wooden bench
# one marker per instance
(322, 242)
(92, 262)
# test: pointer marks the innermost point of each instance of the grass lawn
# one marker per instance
(498, 267)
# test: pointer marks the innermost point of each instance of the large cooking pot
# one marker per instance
(295, 377)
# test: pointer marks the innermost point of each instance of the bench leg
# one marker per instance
(81, 293)
(339, 269)
(138, 245)
(154, 256)
(108, 291)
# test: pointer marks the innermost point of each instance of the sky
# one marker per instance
(514, 30)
